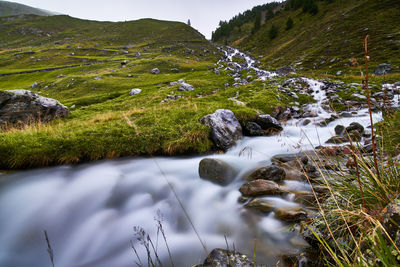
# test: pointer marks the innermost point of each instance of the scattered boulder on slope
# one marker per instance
(225, 128)
(155, 71)
(383, 69)
(135, 91)
(18, 107)
(285, 71)
(185, 87)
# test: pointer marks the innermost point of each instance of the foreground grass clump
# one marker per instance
(359, 222)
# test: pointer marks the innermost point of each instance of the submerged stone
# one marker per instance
(264, 206)
(290, 214)
(217, 171)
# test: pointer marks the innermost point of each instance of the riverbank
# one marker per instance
(107, 122)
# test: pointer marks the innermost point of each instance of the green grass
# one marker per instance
(106, 122)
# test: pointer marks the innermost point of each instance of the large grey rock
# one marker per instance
(155, 71)
(19, 107)
(225, 128)
(135, 91)
(185, 87)
(268, 123)
(285, 71)
(225, 258)
(272, 172)
(217, 171)
(383, 69)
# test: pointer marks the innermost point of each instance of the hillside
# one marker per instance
(91, 67)
(12, 9)
(326, 41)
(35, 30)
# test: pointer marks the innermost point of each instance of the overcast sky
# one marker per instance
(203, 14)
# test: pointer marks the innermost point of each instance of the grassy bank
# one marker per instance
(105, 121)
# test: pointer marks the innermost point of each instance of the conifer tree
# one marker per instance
(273, 32)
(289, 23)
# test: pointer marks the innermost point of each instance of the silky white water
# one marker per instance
(89, 210)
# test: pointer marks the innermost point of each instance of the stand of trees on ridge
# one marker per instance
(226, 29)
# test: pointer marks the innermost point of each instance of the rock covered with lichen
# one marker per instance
(21, 107)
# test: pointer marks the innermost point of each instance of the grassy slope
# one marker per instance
(336, 32)
(106, 122)
(11, 9)
(34, 30)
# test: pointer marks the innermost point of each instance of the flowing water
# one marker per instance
(89, 210)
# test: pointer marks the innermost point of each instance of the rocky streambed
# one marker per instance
(255, 192)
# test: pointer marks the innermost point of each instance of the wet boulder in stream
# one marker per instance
(261, 205)
(217, 171)
(268, 122)
(339, 129)
(355, 126)
(225, 258)
(260, 188)
(262, 126)
(291, 214)
(253, 129)
(272, 172)
(225, 128)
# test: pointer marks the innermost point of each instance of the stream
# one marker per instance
(89, 211)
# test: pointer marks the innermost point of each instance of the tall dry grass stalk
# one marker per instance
(366, 87)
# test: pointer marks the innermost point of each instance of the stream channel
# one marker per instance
(89, 210)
